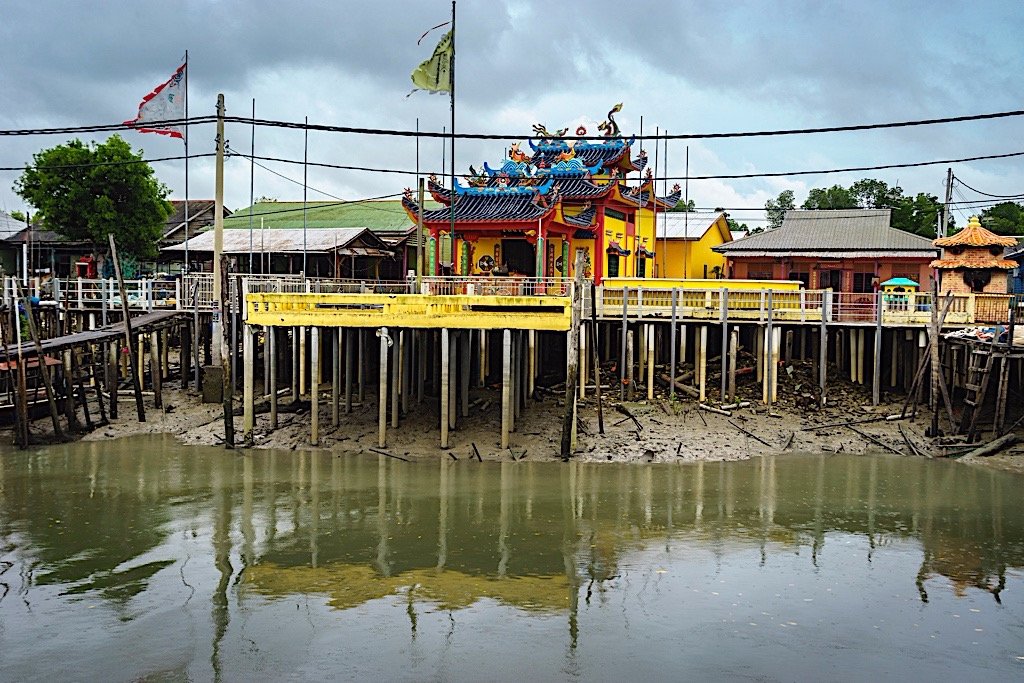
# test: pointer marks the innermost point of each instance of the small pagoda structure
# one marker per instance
(972, 261)
(529, 215)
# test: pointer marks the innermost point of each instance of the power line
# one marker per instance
(494, 136)
(281, 175)
(95, 164)
(108, 127)
(663, 136)
(986, 194)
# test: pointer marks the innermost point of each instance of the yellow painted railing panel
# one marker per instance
(548, 313)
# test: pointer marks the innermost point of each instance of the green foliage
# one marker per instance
(1006, 218)
(776, 208)
(684, 207)
(18, 216)
(86, 192)
(835, 197)
(918, 214)
(734, 226)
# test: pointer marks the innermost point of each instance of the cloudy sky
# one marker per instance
(685, 67)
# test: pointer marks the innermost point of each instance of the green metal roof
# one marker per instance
(900, 282)
(380, 216)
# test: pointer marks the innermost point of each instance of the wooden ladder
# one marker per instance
(978, 373)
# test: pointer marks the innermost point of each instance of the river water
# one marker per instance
(140, 559)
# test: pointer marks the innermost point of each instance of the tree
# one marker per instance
(835, 197)
(731, 222)
(776, 208)
(1005, 218)
(18, 216)
(876, 194)
(86, 192)
(684, 207)
(919, 215)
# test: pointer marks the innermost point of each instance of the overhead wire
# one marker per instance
(987, 194)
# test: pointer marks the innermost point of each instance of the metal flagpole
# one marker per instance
(664, 214)
(186, 161)
(686, 208)
(420, 248)
(252, 177)
(451, 204)
(654, 199)
(305, 185)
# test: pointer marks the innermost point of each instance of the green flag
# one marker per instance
(435, 74)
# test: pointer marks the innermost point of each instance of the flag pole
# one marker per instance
(305, 185)
(451, 92)
(252, 177)
(186, 162)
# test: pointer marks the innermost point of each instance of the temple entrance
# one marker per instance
(519, 256)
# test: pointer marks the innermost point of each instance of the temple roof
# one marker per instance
(954, 262)
(512, 208)
(976, 236)
(584, 219)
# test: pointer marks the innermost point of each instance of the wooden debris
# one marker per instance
(750, 434)
(712, 409)
(873, 439)
(993, 447)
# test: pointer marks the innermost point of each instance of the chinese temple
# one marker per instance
(972, 260)
(529, 216)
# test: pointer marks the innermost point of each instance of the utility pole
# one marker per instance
(420, 247)
(944, 227)
(219, 309)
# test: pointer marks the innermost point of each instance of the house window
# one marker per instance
(613, 265)
(863, 280)
(760, 271)
(641, 267)
(802, 274)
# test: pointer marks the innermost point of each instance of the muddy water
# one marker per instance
(141, 559)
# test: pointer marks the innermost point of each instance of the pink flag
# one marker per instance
(165, 103)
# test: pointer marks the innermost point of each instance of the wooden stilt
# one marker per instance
(295, 364)
(154, 369)
(759, 354)
(628, 356)
(113, 350)
(407, 351)
(248, 390)
(69, 393)
(517, 377)
(724, 298)
(482, 369)
(673, 330)
(361, 365)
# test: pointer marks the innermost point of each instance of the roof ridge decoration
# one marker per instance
(975, 235)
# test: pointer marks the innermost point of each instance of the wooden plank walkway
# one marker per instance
(147, 322)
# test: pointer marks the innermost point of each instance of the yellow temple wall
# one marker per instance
(485, 245)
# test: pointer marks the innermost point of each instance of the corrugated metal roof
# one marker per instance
(816, 232)
(685, 226)
(284, 241)
(9, 226)
(833, 255)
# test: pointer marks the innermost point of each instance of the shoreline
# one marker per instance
(663, 431)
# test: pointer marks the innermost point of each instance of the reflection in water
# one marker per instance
(138, 528)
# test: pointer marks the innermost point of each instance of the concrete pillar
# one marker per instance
(776, 346)
(467, 362)
(248, 380)
(861, 346)
(382, 396)
(759, 353)
(703, 362)
(483, 360)
(271, 341)
(582, 362)
(506, 387)
(650, 363)
(302, 361)
(734, 347)
(314, 387)
(453, 396)
(396, 377)
(445, 397)
(349, 368)
(336, 377)
(532, 342)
